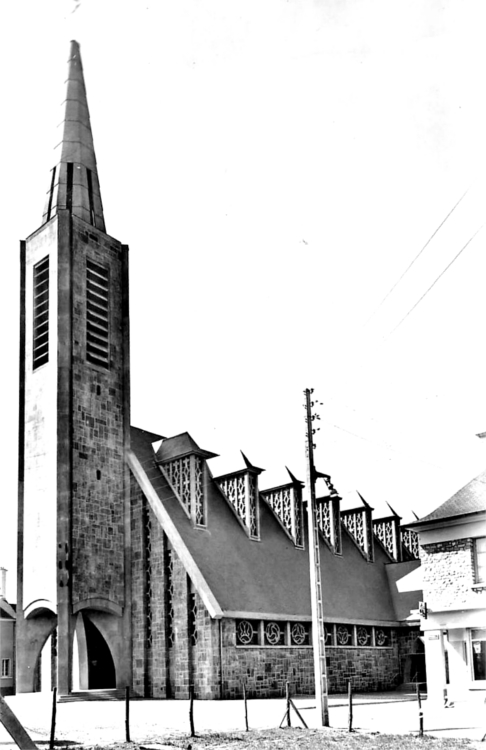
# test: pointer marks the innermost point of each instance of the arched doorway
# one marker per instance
(101, 668)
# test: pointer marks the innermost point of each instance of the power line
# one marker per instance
(433, 284)
(416, 257)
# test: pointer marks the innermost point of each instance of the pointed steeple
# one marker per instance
(74, 180)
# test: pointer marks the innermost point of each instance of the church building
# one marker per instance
(136, 565)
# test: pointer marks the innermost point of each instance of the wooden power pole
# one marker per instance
(318, 633)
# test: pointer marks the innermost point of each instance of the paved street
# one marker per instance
(104, 721)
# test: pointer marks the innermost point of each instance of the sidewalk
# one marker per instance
(104, 721)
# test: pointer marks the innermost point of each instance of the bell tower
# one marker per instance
(74, 504)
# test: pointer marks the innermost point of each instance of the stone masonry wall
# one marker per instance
(138, 590)
(99, 472)
(206, 655)
(266, 670)
(448, 573)
(158, 655)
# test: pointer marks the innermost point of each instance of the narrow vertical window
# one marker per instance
(51, 193)
(90, 196)
(40, 338)
(97, 326)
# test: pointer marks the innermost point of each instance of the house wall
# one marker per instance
(456, 606)
(7, 651)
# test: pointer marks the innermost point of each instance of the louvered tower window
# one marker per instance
(40, 348)
(97, 344)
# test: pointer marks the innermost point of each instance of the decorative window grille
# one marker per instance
(286, 503)
(363, 636)
(329, 635)
(97, 308)
(40, 345)
(199, 492)
(358, 523)
(300, 633)
(242, 492)
(169, 604)
(344, 635)
(295, 634)
(410, 542)
(247, 633)
(387, 532)
(274, 634)
(328, 521)
(186, 476)
(193, 619)
(147, 524)
(382, 637)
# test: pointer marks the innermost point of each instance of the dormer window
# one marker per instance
(286, 503)
(241, 490)
(186, 477)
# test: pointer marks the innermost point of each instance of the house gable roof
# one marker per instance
(469, 499)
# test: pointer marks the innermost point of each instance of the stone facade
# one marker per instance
(448, 573)
(99, 471)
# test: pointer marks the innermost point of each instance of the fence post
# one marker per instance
(246, 707)
(350, 707)
(53, 718)
(191, 710)
(287, 695)
(127, 714)
(421, 713)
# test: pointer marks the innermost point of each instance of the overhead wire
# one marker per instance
(385, 338)
(416, 257)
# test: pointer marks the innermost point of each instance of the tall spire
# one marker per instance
(74, 180)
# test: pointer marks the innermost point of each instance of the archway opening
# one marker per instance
(101, 668)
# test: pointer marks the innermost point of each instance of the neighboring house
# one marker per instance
(7, 641)
(137, 566)
(453, 553)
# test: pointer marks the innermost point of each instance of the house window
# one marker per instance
(480, 559)
(478, 643)
(6, 668)
(97, 306)
(40, 347)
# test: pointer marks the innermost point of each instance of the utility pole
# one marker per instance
(318, 633)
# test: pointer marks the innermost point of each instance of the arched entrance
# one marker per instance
(101, 668)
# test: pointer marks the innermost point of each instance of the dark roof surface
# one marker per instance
(469, 499)
(271, 576)
(180, 445)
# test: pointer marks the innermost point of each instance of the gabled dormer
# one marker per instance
(286, 503)
(387, 530)
(240, 488)
(359, 524)
(183, 463)
(328, 512)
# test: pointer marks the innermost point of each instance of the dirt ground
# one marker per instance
(380, 721)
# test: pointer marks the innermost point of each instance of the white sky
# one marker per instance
(275, 167)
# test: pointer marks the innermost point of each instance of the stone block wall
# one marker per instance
(139, 626)
(448, 573)
(266, 670)
(98, 414)
(206, 662)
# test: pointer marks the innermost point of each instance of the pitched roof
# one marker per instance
(180, 445)
(270, 577)
(469, 499)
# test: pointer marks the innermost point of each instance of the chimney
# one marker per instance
(3, 583)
